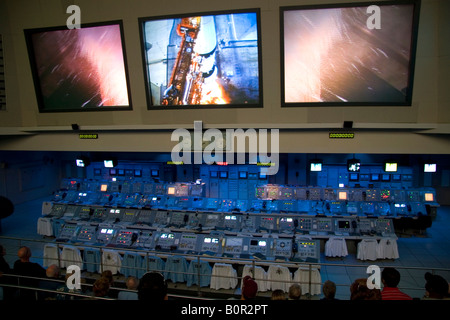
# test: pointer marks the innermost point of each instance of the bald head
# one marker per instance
(52, 271)
(24, 254)
(132, 283)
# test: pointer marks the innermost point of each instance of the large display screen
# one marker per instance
(348, 54)
(208, 60)
(79, 69)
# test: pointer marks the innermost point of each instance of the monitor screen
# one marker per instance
(234, 242)
(202, 60)
(213, 174)
(243, 174)
(342, 195)
(154, 173)
(353, 165)
(348, 54)
(80, 163)
(223, 174)
(343, 224)
(429, 196)
(104, 187)
(390, 166)
(316, 166)
(429, 167)
(109, 163)
(79, 69)
(353, 177)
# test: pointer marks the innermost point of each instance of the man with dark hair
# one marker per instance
(390, 278)
(152, 286)
(436, 287)
(329, 290)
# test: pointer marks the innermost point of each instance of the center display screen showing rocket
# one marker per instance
(207, 60)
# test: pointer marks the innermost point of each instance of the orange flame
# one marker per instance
(214, 93)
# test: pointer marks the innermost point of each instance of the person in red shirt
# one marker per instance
(390, 278)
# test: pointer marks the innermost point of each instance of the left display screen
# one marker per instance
(79, 69)
(202, 60)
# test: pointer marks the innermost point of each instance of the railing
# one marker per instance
(200, 293)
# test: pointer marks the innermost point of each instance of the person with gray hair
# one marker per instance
(52, 282)
(132, 284)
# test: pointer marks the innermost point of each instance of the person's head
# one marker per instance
(278, 295)
(152, 286)
(360, 291)
(132, 283)
(101, 287)
(52, 271)
(249, 288)
(390, 277)
(295, 292)
(24, 254)
(107, 274)
(436, 286)
(329, 289)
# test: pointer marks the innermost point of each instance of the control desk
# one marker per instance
(281, 223)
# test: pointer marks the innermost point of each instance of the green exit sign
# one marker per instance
(88, 136)
(341, 135)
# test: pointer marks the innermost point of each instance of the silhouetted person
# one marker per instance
(132, 284)
(51, 283)
(5, 269)
(436, 287)
(152, 287)
(23, 267)
(249, 288)
(329, 290)
(390, 278)
(360, 291)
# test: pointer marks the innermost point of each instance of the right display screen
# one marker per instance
(348, 54)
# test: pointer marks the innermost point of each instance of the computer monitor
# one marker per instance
(79, 70)
(353, 165)
(202, 60)
(315, 166)
(390, 166)
(344, 55)
(109, 163)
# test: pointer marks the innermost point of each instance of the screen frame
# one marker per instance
(37, 81)
(150, 106)
(411, 68)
